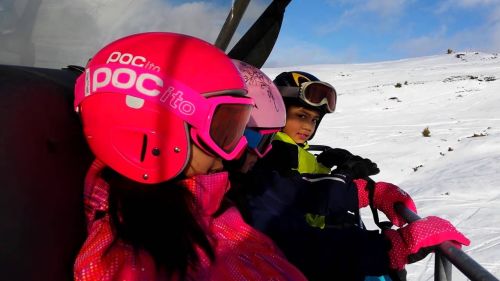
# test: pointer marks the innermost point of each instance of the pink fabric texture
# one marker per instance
(363, 198)
(427, 232)
(398, 254)
(242, 253)
(430, 231)
(95, 192)
(386, 195)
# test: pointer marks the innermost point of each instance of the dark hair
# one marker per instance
(160, 219)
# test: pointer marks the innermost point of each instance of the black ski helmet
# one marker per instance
(295, 79)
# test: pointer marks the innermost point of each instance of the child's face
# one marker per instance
(202, 163)
(300, 123)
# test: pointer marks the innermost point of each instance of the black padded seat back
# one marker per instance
(43, 161)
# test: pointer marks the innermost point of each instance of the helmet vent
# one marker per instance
(144, 146)
(156, 151)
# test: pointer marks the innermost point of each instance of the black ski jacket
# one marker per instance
(275, 199)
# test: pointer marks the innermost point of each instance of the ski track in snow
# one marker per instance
(450, 174)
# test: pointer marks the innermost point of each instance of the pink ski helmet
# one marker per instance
(269, 113)
(139, 94)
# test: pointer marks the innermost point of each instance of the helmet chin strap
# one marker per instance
(214, 171)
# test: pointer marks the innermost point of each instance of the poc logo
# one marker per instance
(146, 84)
(127, 58)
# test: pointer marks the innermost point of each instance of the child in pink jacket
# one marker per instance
(160, 111)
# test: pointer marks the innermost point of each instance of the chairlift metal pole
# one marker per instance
(449, 253)
(255, 46)
(442, 267)
(232, 21)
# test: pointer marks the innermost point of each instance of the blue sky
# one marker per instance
(65, 32)
(349, 31)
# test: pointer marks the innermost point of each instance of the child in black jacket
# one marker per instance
(312, 213)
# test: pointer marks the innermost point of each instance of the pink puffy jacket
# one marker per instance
(241, 252)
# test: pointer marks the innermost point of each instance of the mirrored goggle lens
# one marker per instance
(265, 144)
(319, 94)
(228, 125)
(258, 141)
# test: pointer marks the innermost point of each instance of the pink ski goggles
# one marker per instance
(259, 141)
(219, 121)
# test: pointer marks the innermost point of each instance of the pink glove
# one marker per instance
(386, 194)
(431, 231)
(416, 236)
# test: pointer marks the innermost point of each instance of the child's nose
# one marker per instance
(308, 126)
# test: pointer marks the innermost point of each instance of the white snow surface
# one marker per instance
(455, 172)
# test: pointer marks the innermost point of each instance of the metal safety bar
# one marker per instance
(447, 253)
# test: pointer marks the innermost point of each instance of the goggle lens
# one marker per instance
(228, 125)
(260, 142)
(318, 94)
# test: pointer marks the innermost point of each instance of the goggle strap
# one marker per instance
(174, 96)
(169, 93)
(289, 91)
